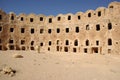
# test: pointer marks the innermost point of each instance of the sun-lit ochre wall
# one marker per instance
(95, 31)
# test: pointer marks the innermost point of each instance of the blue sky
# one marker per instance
(51, 7)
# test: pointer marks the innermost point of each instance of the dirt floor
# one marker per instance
(60, 66)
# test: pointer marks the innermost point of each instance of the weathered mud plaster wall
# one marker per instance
(95, 31)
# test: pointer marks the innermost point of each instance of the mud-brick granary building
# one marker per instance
(95, 31)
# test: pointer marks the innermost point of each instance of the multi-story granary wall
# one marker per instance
(95, 31)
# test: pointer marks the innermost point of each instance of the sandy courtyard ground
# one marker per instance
(60, 66)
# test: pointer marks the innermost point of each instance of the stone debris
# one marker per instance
(17, 56)
(7, 70)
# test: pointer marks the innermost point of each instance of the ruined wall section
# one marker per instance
(3, 29)
(114, 9)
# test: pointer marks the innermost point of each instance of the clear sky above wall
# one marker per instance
(51, 7)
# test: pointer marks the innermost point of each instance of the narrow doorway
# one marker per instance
(74, 50)
(23, 48)
(11, 47)
(85, 50)
(32, 48)
(48, 48)
(57, 48)
(66, 49)
(0, 47)
(94, 49)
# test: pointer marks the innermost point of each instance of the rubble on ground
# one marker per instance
(17, 56)
(7, 71)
